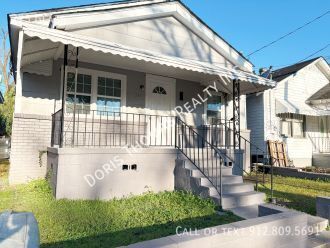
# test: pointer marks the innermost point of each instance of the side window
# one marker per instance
(82, 89)
(286, 128)
(108, 95)
(293, 126)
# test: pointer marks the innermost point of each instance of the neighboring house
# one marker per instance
(297, 111)
(129, 65)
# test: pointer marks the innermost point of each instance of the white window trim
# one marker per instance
(95, 74)
(291, 121)
(222, 110)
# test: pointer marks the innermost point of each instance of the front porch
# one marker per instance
(146, 108)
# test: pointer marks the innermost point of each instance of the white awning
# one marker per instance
(283, 106)
(34, 53)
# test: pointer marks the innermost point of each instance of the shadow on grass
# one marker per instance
(292, 200)
(134, 235)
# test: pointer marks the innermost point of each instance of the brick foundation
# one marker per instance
(31, 134)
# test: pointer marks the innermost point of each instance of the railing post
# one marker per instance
(271, 184)
(257, 179)
(221, 161)
(175, 131)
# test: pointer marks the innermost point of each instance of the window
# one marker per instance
(159, 90)
(292, 125)
(91, 90)
(83, 88)
(324, 125)
(297, 129)
(286, 128)
(108, 95)
(213, 108)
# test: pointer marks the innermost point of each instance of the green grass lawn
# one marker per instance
(65, 223)
(4, 168)
(296, 193)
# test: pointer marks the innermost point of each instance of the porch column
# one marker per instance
(236, 114)
(65, 63)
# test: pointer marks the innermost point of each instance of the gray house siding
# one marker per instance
(190, 90)
(164, 35)
(255, 119)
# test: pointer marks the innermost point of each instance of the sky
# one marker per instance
(245, 24)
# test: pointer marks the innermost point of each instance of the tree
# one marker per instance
(7, 79)
(7, 111)
(7, 108)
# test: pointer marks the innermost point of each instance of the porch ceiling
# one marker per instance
(47, 44)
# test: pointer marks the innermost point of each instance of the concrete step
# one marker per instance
(229, 179)
(246, 212)
(322, 237)
(233, 188)
(237, 188)
(317, 223)
(242, 199)
(226, 171)
(205, 153)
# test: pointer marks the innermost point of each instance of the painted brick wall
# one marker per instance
(30, 135)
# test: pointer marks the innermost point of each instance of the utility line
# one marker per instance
(323, 48)
(311, 55)
(288, 34)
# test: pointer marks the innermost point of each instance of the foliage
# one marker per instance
(7, 110)
(65, 223)
(4, 60)
(4, 168)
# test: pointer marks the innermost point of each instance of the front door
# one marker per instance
(160, 103)
(214, 108)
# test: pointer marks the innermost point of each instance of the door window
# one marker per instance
(213, 111)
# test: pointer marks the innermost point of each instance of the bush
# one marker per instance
(7, 111)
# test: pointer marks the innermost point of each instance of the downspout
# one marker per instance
(65, 63)
(75, 97)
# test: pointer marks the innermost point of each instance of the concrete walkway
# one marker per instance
(273, 228)
(18, 230)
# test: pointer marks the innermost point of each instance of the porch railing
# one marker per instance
(320, 144)
(259, 162)
(95, 128)
(208, 159)
(218, 132)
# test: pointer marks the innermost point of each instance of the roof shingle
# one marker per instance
(280, 74)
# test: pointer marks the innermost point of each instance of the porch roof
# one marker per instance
(294, 107)
(33, 53)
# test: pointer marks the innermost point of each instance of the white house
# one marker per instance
(296, 111)
(115, 93)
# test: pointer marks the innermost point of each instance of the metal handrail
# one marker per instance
(192, 140)
(265, 154)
